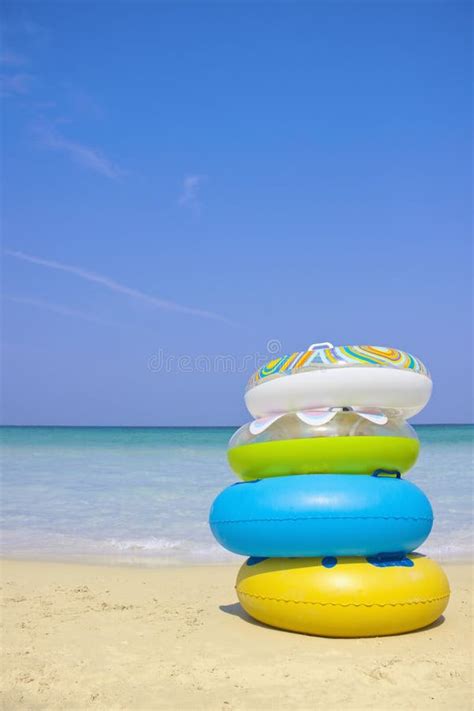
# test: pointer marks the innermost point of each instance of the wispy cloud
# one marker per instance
(18, 84)
(55, 308)
(116, 286)
(24, 27)
(12, 59)
(189, 197)
(84, 155)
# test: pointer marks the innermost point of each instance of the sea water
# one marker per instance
(142, 495)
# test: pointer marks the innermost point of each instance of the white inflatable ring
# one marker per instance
(342, 376)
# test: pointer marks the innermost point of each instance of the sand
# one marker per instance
(97, 637)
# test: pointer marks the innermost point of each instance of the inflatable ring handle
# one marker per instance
(387, 472)
(316, 346)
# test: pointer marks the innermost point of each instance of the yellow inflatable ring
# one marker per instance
(344, 597)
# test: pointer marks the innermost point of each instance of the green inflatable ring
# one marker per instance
(323, 455)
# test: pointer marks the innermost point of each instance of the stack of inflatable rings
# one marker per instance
(327, 521)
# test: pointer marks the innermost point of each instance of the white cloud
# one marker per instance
(84, 155)
(189, 197)
(116, 286)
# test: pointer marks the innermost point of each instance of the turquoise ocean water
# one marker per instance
(140, 495)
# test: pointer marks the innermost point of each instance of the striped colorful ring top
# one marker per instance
(337, 356)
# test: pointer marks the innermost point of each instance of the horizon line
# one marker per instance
(158, 427)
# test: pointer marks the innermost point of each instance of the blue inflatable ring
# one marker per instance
(324, 515)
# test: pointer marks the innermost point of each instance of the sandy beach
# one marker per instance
(96, 637)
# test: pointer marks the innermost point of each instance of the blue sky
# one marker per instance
(191, 180)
